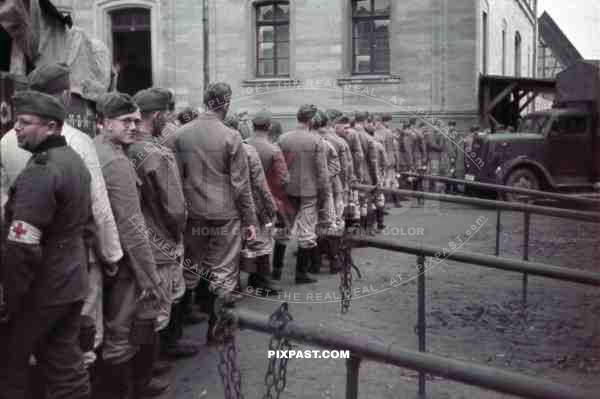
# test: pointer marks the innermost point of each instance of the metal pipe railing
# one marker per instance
(514, 265)
(491, 204)
(507, 189)
(368, 349)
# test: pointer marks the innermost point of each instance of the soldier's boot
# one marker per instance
(172, 346)
(117, 381)
(316, 259)
(379, 214)
(335, 264)
(190, 314)
(143, 364)
(211, 339)
(261, 278)
(278, 257)
(302, 262)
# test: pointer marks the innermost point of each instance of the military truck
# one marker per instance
(556, 150)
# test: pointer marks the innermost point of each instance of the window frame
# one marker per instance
(371, 18)
(274, 23)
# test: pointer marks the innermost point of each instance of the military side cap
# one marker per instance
(386, 116)
(262, 118)
(452, 123)
(153, 99)
(333, 114)
(50, 78)
(306, 112)
(320, 119)
(114, 104)
(361, 116)
(38, 103)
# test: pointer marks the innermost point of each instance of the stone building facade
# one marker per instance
(409, 56)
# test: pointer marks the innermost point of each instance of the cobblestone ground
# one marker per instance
(473, 313)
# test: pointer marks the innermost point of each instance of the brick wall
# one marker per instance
(435, 53)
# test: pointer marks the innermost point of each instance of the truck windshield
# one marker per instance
(533, 123)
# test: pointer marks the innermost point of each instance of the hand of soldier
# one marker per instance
(250, 232)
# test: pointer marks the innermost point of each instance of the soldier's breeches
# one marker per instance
(119, 313)
(300, 225)
(261, 246)
(212, 251)
(93, 307)
(52, 335)
(171, 275)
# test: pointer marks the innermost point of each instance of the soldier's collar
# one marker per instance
(51, 142)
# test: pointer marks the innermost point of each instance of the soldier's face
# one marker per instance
(31, 130)
(341, 128)
(123, 129)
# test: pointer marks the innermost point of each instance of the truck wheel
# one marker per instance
(521, 178)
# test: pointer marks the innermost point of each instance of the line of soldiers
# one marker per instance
(111, 245)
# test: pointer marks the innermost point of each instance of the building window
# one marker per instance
(132, 48)
(273, 39)
(484, 41)
(517, 54)
(371, 36)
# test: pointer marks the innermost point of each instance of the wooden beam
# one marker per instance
(500, 97)
(529, 100)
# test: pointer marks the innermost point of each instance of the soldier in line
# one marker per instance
(163, 208)
(336, 166)
(342, 126)
(452, 157)
(370, 170)
(136, 293)
(437, 154)
(275, 170)
(43, 274)
(216, 186)
(386, 137)
(255, 256)
(382, 163)
(103, 247)
(308, 190)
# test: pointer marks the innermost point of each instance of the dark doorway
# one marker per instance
(132, 49)
(5, 50)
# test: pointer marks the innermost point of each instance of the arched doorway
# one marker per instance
(132, 48)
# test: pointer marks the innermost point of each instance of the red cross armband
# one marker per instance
(24, 233)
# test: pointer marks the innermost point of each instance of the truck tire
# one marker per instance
(521, 178)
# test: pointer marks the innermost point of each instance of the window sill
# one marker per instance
(270, 81)
(370, 79)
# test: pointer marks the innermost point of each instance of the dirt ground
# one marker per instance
(473, 313)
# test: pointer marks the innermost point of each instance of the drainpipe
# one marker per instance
(535, 45)
(205, 38)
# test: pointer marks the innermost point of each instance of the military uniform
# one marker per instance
(308, 190)
(216, 186)
(44, 264)
(130, 314)
(275, 170)
(370, 174)
(437, 151)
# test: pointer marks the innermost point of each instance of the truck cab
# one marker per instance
(556, 149)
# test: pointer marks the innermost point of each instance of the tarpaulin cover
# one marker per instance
(50, 41)
(580, 82)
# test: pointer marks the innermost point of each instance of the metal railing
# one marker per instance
(367, 349)
(421, 250)
(499, 206)
(498, 188)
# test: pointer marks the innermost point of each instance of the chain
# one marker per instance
(345, 277)
(224, 332)
(275, 378)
